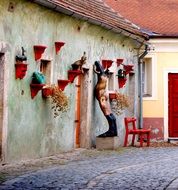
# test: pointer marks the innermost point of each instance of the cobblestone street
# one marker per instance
(128, 168)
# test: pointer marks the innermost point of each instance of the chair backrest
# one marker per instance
(130, 121)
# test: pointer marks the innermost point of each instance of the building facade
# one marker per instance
(159, 68)
(28, 128)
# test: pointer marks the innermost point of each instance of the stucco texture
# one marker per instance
(32, 131)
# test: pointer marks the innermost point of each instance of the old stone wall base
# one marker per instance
(107, 143)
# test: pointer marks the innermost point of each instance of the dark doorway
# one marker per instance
(1, 98)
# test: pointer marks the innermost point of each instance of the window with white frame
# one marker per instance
(147, 83)
(149, 78)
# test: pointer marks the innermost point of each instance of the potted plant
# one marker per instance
(121, 77)
(121, 73)
(128, 69)
(21, 65)
(37, 83)
(47, 91)
(60, 101)
(106, 63)
(119, 62)
(120, 103)
(39, 50)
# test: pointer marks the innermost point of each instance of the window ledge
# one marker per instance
(149, 98)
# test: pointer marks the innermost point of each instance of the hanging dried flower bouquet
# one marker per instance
(60, 101)
(120, 103)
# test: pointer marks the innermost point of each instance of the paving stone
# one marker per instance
(132, 169)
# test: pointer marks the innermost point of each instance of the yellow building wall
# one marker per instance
(155, 108)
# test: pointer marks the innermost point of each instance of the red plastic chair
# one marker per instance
(131, 122)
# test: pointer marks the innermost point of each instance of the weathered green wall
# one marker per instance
(32, 131)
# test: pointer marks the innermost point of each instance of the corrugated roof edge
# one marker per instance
(141, 37)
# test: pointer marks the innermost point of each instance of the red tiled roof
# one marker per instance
(95, 11)
(158, 16)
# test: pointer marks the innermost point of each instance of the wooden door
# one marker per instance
(77, 112)
(173, 104)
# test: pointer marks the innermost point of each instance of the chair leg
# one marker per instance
(133, 139)
(126, 139)
(141, 140)
(148, 139)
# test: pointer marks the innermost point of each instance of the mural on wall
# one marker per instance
(103, 99)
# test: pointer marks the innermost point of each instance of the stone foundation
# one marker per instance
(107, 143)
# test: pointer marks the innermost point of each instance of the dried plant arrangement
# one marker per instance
(120, 103)
(60, 101)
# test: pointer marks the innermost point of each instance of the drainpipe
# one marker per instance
(140, 61)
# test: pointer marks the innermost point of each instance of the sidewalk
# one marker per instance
(9, 171)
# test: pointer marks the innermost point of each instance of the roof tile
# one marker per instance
(97, 11)
(158, 16)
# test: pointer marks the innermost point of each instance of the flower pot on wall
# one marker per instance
(119, 62)
(39, 50)
(58, 46)
(47, 91)
(63, 83)
(72, 74)
(128, 68)
(20, 70)
(106, 63)
(35, 88)
(121, 73)
(21, 65)
(122, 82)
(37, 83)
